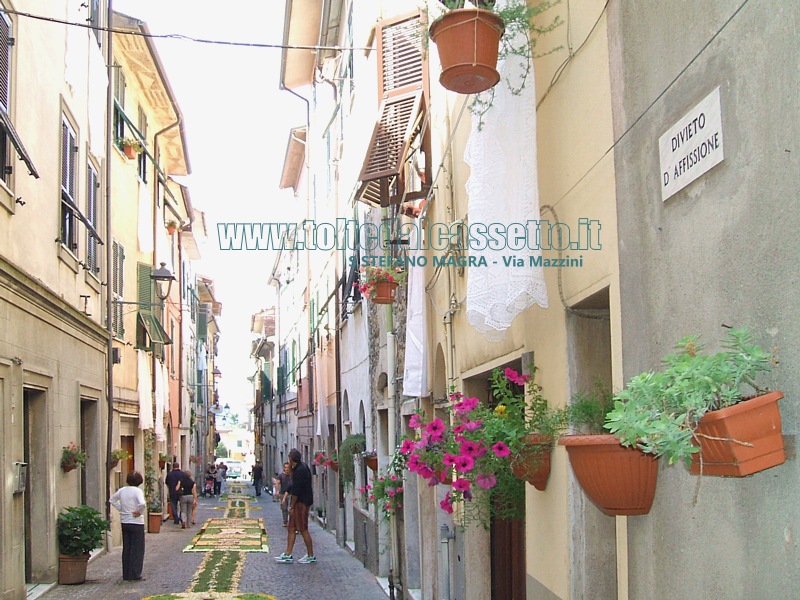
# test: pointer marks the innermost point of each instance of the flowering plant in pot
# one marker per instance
(370, 457)
(117, 455)
(379, 283)
(72, 457)
(386, 491)
(131, 147)
(682, 412)
(476, 451)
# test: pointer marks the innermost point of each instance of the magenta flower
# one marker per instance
(515, 377)
(449, 459)
(470, 448)
(459, 429)
(500, 449)
(464, 463)
(390, 492)
(473, 425)
(486, 480)
(415, 422)
(466, 405)
(413, 463)
(425, 472)
(461, 484)
(435, 429)
(446, 504)
(407, 446)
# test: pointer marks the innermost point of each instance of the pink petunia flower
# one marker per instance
(449, 459)
(473, 425)
(464, 463)
(486, 480)
(407, 446)
(470, 448)
(446, 504)
(501, 449)
(515, 377)
(459, 429)
(425, 472)
(461, 484)
(466, 405)
(435, 428)
(413, 463)
(415, 422)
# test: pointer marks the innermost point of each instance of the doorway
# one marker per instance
(36, 496)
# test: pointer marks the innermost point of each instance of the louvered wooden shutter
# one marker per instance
(68, 161)
(117, 286)
(5, 61)
(92, 185)
(400, 77)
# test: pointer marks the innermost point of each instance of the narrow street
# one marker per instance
(169, 571)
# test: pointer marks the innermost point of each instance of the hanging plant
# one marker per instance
(353, 444)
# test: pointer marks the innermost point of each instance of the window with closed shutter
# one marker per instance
(402, 79)
(117, 287)
(150, 334)
(92, 190)
(69, 176)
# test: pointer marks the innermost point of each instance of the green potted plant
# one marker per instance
(163, 459)
(117, 455)
(705, 409)
(131, 147)
(353, 444)
(72, 457)
(619, 480)
(152, 489)
(471, 39)
(379, 284)
(480, 447)
(80, 530)
(172, 226)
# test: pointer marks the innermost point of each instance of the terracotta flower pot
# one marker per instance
(154, 522)
(467, 40)
(72, 569)
(756, 423)
(619, 480)
(129, 151)
(335, 465)
(385, 292)
(533, 463)
(372, 462)
(69, 466)
(114, 462)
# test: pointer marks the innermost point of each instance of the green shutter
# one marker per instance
(202, 322)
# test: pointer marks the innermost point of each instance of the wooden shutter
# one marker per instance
(92, 185)
(5, 61)
(401, 75)
(117, 286)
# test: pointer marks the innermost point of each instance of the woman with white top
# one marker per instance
(130, 503)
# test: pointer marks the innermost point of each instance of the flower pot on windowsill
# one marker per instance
(129, 151)
(468, 40)
(619, 480)
(533, 463)
(741, 439)
(385, 292)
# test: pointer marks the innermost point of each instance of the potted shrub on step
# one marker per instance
(80, 530)
(706, 410)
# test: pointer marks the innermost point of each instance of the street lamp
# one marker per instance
(163, 278)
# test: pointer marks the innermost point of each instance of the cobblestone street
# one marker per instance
(169, 570)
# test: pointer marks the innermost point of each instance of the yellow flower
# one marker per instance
(500, 409)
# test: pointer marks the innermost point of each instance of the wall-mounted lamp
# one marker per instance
(216, 372)
(163, 279)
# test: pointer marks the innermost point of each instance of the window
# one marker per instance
(92, 190)
(95, 20)
(402, 75)
(69, 177)
(150, 334)
(8, 135)
(117, 279)
(119, 103)
(142, 158)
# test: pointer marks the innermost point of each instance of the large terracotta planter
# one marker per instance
(619, 480)
(385, 292)
(533, 464)
(756, 423)
(72, 569)
(467, 40)
(154, 522)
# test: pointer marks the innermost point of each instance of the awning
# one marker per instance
(92, 231)
(153, 328)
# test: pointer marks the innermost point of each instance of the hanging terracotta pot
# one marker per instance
(130, 151)
(533, 463)
(335, 465)
(619, 480)
(372, 462)
(68, 466)
(741, 439)
(114, 463)
(72, 569)
(468, 40)
(384, 292)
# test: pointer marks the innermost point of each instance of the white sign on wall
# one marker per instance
(692, 146)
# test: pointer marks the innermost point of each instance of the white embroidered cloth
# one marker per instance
(503, 189)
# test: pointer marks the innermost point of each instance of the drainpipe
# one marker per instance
(109, 263)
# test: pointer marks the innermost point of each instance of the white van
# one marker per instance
(236, 468)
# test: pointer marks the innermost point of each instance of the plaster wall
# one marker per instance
(722, 251)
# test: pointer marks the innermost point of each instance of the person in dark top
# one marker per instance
(285, 480)
(171, 480)
(188, 498)
(258, 477)
(301, 497)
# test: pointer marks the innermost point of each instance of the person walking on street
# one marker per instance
(223, 469)
(129, 501)
(188, 490)
(258, 477)
(218, 480)
(301, 497)
(275, 487)
(285, 480)
(171, 480)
